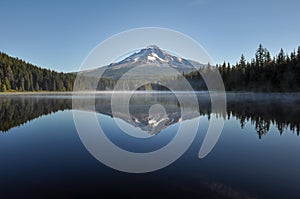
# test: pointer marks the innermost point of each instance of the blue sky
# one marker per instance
(60, 34)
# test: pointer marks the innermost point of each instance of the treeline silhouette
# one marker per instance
(280, 73)
(264, 73)
(263, 110)
(18, 75)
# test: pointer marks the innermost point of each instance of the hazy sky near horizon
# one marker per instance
(60, 34)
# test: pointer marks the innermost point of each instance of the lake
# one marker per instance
(256, 156)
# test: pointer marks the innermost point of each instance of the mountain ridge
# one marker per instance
(151, 56)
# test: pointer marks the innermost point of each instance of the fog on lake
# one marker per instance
(256, 156)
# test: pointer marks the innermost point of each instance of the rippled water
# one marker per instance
(257, 155)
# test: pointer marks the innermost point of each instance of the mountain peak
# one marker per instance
(153, 55)
(153, 46)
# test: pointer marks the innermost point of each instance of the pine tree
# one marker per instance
(281, 57)
(259, 56)
(7, 85)
(242, 62)
(22, 88)
(37, 87)
(4, 89)
(268, 59)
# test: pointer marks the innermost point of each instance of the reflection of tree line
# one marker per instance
(261, 110)
(283, 116)
(15, 111)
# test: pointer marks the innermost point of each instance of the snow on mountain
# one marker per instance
(152, 56)
(155, 56)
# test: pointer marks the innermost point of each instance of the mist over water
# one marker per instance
(41, 152)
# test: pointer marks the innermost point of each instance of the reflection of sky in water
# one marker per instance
(47, 154)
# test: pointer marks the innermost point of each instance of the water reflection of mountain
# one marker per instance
(139, 112)
(261, 110)
(153, 122)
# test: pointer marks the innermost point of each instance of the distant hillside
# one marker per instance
(18, 75)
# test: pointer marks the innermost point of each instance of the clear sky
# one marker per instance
(60, 34)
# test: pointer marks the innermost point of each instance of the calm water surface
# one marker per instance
(257, 155)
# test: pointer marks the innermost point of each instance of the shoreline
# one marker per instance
(37, 93)
(124, 92)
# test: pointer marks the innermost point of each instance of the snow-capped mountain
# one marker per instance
(153, 57)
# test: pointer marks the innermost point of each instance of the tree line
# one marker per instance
(18, 75)
(280, 73)
(263, 73)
